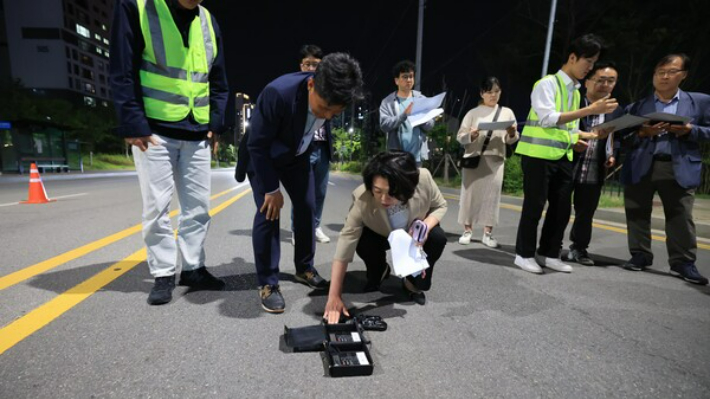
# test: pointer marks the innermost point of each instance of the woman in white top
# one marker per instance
(481, 186)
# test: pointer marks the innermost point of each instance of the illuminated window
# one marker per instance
(83, 31)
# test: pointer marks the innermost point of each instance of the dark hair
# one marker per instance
(310, 50)
(489, 83)
(338, 79)
(585, 46)
(400, 170)
(602, 65)
(670, 57)
(403, 67)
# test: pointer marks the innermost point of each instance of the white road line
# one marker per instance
(60, 197)
(69, 196)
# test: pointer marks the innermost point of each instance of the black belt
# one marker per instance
(663, 158)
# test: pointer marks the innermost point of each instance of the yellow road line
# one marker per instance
(26, 325)
(597, 225)
(49, 264)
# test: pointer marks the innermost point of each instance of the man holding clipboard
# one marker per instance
(592, 162)
(665, 158)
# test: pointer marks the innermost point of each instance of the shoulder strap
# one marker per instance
(490, 132)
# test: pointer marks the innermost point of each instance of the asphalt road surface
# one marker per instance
(74, 283)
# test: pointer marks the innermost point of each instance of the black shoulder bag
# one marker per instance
(472, 162)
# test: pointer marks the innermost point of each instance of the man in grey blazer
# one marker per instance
(394, 110)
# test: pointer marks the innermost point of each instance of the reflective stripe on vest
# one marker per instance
(550, 142)
(174, 78)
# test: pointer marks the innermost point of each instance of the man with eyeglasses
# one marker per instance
(666, 159)
(396, 108)
(591, 160)
(321, 148)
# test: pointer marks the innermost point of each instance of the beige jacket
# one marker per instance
(499, 138)
(366, 211)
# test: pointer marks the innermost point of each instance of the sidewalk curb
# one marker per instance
(15, 178)
(611, 215)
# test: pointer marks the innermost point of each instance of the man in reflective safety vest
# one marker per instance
(170, 91)
(550, 135)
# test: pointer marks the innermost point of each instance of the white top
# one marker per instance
(542, 98)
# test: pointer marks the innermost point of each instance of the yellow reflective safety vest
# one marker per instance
(174, 78)
(551, 142)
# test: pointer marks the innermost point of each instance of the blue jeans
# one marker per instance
(320, 164)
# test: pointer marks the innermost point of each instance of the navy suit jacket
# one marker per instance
(685, 151)
(276, 130)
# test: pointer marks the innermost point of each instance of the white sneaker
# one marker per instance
(489, 241)
(321, 237)
(293, 239)
(527, 264)
(465, 238)
(554, 264)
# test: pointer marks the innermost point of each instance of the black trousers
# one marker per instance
(544, 181)
(677, 207)
(586, 200)
(372, 249)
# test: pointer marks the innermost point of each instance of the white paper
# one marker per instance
(407, 257)
(622, 122)
(666, 117)
(500, 125)
(420, 119)
(425, 109)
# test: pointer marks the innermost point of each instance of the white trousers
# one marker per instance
(182, 166)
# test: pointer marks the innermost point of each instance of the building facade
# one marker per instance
(58, 47)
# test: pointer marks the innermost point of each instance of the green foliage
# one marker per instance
(90, 125)
(513, 176)
(443, 140)
(108, 162)
(351, 167)
(347, 145)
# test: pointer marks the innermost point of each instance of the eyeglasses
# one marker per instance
(670, 72)
(406, 77)
(313, 65)
(603, 81)
(492, 92)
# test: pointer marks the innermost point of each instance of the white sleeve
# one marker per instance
(542, 100)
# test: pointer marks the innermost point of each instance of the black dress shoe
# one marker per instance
(637, 263)
(201, 279)
(271, 299)
(418, 297)
(312, 279)
(162, 291)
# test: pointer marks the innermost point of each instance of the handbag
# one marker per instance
(472, 162)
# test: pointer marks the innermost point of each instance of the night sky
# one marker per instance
(262, 40)
(464, 41)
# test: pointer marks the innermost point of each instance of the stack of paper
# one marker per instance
(425, 109)
(407, 257)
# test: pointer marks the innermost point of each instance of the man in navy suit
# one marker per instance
(591, 161)
(288, 112)
(666, 158)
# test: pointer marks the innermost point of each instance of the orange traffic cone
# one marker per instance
(37, 193)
